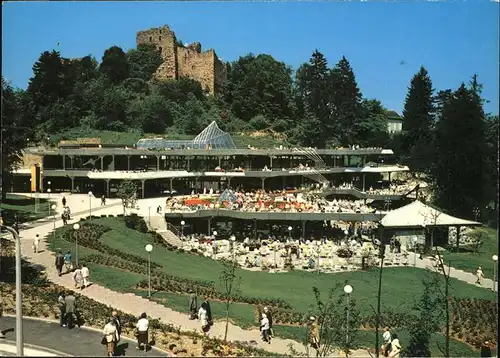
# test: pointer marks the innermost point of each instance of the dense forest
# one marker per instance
(446, 134)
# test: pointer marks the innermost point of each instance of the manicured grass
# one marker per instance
(24, 208)
(401, 286)
(469, 261)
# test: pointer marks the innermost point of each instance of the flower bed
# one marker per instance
(474, 321)
(89, 236)
(179, 286)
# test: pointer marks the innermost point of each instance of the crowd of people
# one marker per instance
(267, 201)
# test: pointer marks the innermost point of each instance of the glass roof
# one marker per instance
(211, 136)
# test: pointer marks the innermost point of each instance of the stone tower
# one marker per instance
(185, 60)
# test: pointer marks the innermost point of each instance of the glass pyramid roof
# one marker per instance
(211, 136)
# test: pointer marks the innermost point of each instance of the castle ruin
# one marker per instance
(185, 61)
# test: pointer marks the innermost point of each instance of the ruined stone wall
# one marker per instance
(164, 40)
(185, 61)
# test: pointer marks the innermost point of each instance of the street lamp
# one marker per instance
(149, 248)
(495, 259)
(54, 210)
(182, 228)
(415, 252)
(48, 191)
(90, 205)
(348, 291)
(290, 232)
(19, 303)
(76, 227)
(233, 243)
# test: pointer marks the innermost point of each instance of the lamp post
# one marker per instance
(54, 211)
(19, 304)
(149, 215)
(290, 232)
(495, 259)
(149, 248)
(348, 291)
(90, 206)
(76, 227)
(182, 228)
(233, 243)
(48, 191)
(414, 252)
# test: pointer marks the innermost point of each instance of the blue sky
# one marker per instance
(453, 40)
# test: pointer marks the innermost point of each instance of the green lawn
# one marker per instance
(401, 286)
(23, 208)
(468, 261)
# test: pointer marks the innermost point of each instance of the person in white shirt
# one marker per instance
(36, 242)
(109, 332)
(264, 328)
(142, 332)
(386, 337)
(203, 318)
(395, 347)
(77, 278)
(479, 275)
(85, 276)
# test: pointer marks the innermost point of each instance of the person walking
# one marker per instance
(59, 262)
(67, 262)
(78, 278)
(270, 318)
(203, 318)
(142, 332)
(193, 305)
(118, 322)
(61, 303)
(103, 200)
(109, 332)
(64, 201)
(395, 347)
(85, 276)
(70, 307)
(36, 243)
(386, 338)
(264, 328)
(479, 275)
(206, 306)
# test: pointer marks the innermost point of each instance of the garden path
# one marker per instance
(49, 339)
(133, 304)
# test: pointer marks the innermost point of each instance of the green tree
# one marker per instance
(371, 127)
(259, 85)
(127, 191)
(144, 61)
(13, 137)
(346, 104)
(458, 167)
(153, 114)
(313, 94)
(50, 80)
(115, 65)
(426, 322)
(230, 284)
(178, 90)
(491, 164)
(418, 123)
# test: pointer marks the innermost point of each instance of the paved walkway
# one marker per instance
(133, 304)
(52, 340)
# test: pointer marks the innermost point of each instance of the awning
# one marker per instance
(418, 214)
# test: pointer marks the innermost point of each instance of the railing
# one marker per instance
(174, 229)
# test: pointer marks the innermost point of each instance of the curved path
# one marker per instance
(47, 338)
(133, 304)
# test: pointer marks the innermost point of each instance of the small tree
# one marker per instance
(427, 322)
(338, 321)
(127, 192)
(230, 285)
